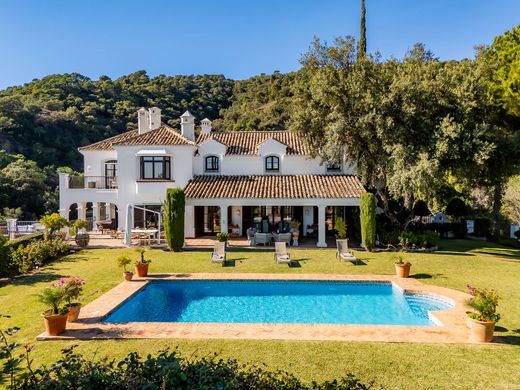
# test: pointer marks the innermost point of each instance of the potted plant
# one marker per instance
(402, 269)
(79, 228)
(482, 321)
(55, 318)
(73, 286)
(52, 223)
(222, 237)
(123, 261)
(141, 265)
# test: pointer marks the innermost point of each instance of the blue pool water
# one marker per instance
(298, 302)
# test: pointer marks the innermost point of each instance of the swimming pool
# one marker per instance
(291, 302)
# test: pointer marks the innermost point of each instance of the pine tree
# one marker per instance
(362, 47)
(174, 219)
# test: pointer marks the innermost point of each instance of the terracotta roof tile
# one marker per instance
(164, 135)
(246, 142)
(106, 144)
(274, 187)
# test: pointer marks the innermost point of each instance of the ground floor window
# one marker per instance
(146, 219)
(267, 219)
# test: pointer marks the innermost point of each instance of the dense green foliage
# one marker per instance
(485, 302)
(36, 253)
(456, 208)
(174, 218)
(48, 119)
(367, 216)
(167, 370)
(362, 45)
(259, 103)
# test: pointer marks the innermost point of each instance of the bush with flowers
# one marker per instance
(485, 301)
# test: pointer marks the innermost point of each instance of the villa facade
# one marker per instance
(232, 180)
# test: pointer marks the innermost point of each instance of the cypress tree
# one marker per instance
(367, 217)
(174, 218)
(362, 46)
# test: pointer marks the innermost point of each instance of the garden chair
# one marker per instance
(280, 253)
(262, 238)
(219, 253)
(284, 237)
(344, 253)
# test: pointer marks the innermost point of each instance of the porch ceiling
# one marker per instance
(274, 187)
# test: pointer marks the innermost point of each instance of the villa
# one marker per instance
(233, 181)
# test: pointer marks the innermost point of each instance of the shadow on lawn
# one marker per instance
(27, 280)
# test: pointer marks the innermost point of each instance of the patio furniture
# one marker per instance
(283, 237)
(104, 225)
(145, 235)
(344, 253)
(262, 238)
(219, 253)
(280, 253)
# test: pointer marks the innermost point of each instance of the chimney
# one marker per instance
(143, 120)
(205, 126)
(155, 118)
(188, 126)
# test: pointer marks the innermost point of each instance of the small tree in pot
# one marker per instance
(402, 269)
(55, 318)
(73, 286)
(141, 265)
(53, 222)
(79, 228)
(123, 261)
(482, 322)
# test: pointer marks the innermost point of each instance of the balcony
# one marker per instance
(93, 182)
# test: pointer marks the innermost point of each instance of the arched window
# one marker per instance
(211, 164)
(272, 164)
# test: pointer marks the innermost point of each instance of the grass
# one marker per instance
(391, 365)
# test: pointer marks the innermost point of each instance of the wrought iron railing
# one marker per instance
(93, 182)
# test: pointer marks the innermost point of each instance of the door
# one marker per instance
(199, 221)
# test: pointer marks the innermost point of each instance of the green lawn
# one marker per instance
(400, 366)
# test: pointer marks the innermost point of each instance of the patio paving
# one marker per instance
(90, 325)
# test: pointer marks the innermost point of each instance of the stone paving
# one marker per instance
(453, 327)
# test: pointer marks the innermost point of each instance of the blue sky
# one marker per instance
(237, 38)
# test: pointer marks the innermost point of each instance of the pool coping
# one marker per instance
(90, 325)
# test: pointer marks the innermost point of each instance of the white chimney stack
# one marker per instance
(155, 118)
(188, 126)
(205, 126)
(143, 120)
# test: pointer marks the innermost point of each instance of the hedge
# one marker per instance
(367, 217)
(167, 370)
(26, 239)
(174, 218)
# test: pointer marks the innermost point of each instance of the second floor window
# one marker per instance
(155, 168)
(211, 164)
(272, 164)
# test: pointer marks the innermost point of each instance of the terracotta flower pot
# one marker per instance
(74, 310)
(141, 269)
(481, 331)
(55, 324)
(128, 275)
(402, 270)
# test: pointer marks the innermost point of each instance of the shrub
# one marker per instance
(167, 370)
(459, 229)
(341, 227)
(391, 238)
(54, 297)
(428, 239)
(123, 261)
(73, 286)
(420, 208)
(367, 217)
(5, 256)
(26, 239)
(407, 239)
(53, 222)
(79, 225)
(174, 218)
(37, 253)
(483, 227)
(485, 302)
(222, 237)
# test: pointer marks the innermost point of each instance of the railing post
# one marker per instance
(11, 228)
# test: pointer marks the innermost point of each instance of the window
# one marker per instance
(272, 164)
(211, 164)
(333, 167)
(155, 168)
(111, 174)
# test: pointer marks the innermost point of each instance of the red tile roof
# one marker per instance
(246, 142)
(274, 187)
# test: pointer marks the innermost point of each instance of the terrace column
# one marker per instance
(322, 243)
(108, 216)
(95, 215)
(224, 219)
(82, 210)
